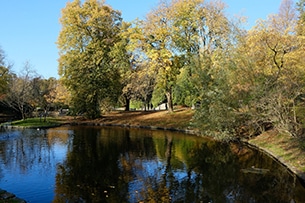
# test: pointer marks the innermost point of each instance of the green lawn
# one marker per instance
(36, 122)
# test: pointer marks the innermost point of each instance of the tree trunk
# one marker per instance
(168, 152)
(169, 100)
(22, 111)
(127, 104)
(45, 115)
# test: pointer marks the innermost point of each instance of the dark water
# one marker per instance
(90, 164)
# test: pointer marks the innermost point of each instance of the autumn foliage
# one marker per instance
(240, 81)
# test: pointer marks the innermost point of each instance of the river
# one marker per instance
(107, 164)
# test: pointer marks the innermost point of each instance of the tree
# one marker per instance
(204, 38)
(43, 93)
(20, 94)
(5, 75)
(89, 32)
(141, 85)
(138, 79)
(282, 58)
(124, 61)
(269, 58)
(181, 38)
(200, 29)
(159, 50)
(301, 17)
(62, 96)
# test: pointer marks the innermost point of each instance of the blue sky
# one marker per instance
(29, 29)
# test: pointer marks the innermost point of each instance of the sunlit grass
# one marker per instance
(36, 122)
(179, 119)
(176, 119)
(289, 149)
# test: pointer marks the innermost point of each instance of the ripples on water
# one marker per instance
(90, 164)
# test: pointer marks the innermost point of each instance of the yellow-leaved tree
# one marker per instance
(89, 32)
(268, 78)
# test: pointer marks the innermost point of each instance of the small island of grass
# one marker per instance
(36, 123)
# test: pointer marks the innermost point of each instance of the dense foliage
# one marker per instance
(89, 32)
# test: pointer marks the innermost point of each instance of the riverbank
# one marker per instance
(287, 150)
(7, 197)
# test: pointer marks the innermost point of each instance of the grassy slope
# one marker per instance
(288, 150)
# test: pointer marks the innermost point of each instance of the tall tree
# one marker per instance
(159, 49)
(203, 37)
(89, 32)
(182, 39)
(200, 29)
(138, 78)
(124, 61)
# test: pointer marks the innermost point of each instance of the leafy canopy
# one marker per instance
(89, 31)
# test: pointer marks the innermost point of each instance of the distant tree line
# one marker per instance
(241, 82)
(26, 93)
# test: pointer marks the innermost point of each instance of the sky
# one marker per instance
(29, 29)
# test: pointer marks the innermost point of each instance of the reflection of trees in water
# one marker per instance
(90, 172)
(224, 176)
(150, 176)
(189, 171)
(164, 178)
(26, 150)
(119, 165)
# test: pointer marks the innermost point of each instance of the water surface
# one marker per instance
(94, 164)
